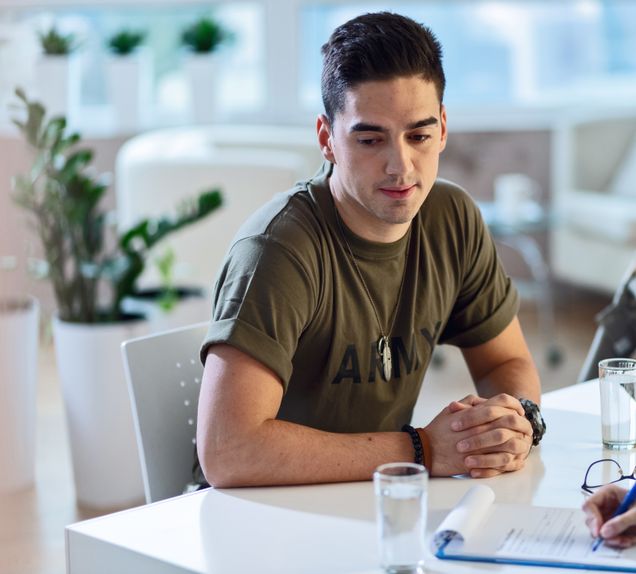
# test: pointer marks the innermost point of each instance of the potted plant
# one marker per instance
(125, 42)
(57, 73)
(129, 77)
(19, 319)
(92, 273)
(168, 305)
(202, 39)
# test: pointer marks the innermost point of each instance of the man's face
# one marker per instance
(385, 145)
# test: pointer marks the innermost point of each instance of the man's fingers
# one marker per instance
(502, 461)
(510, 422)
(487, 411)
(457, 406)
(512, 464)
(472, 400)
(485, 472)
(481, 418)
(503, 448)
(503, 439)
(507, 401)
(467, 402)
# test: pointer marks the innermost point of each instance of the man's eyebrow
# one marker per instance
(364, 127)
(431, 121)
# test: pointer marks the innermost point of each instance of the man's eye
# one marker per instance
(368, 141)
(420, 137)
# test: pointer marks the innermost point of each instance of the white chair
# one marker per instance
(164, 375)
(158, 169)
(594, 157)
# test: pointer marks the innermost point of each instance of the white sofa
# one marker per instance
(594, 237)
(156, 170)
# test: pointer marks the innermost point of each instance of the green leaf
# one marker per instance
(20, 93)
(56, 44)
(204, 35)
(168, 299)
(125, 42)
(76, 162)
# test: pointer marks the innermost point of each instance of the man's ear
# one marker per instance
(444, 129)
(323, 129)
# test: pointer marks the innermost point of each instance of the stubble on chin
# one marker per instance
(400, 214)
(396, 215)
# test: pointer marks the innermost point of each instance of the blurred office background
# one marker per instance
(516, 56)
(540, 89)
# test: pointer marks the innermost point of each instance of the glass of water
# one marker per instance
(401, 505)
(617, 382)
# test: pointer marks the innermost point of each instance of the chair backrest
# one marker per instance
(164, 375)
(159, 169)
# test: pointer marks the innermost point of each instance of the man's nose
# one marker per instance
(399, 160)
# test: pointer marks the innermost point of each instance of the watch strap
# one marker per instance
(533, 414)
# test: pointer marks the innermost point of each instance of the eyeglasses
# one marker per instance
(602, 472)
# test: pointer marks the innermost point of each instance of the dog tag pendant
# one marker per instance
(384, 350)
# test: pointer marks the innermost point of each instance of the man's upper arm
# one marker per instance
(238, 393)
(486, 300)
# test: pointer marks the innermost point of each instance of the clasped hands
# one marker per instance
(481, 437)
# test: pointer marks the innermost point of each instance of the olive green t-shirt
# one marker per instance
(289, 295)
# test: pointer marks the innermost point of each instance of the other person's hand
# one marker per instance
(619, 532)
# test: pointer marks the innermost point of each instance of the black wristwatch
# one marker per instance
(533, 414)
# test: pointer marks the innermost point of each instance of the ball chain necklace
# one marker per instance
(383, 346)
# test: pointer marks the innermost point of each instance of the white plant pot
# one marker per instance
(18, 385)
(106, 466)
(58, 85)
(193, 306)
(129, 82)
(202, 75)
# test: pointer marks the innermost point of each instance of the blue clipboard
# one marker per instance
(440, 553)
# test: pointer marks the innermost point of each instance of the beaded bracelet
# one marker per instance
(417, 444)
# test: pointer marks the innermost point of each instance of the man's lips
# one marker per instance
(397, 191)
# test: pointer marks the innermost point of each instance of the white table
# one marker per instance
(325, 528)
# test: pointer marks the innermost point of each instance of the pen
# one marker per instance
(624, 506)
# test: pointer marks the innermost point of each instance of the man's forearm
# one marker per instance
(504, 365)
(517, 377)
(279, 452)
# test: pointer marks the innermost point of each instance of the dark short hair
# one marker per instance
(375, 47)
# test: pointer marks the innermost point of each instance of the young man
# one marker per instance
(333, 295)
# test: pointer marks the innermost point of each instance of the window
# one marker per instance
(241, 76)
(498, 53)
(503, 51)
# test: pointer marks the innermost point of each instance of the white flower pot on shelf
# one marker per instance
(18, 384)
(202, 78)
(106, 467)
(58, 84)
(129, 83)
